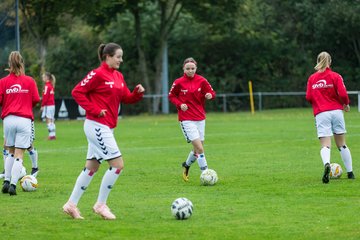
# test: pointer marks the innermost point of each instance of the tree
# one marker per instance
(41, 18)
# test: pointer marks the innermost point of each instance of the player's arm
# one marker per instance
(81, 90)
(134, 96)
(173, 95)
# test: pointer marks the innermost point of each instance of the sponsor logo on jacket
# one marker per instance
(322, 84)
(16, 88)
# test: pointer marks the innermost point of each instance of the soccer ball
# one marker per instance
(29, 183)
(208, 177)
(336, 170)
(182, 208)
(23, 172)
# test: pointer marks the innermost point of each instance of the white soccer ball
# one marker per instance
(208, 177)
(182, 208)
(336, 170)
(29, 183)
(23, 172)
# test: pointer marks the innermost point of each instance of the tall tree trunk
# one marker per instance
(141, 54)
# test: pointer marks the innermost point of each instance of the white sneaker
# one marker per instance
(103, 211)
(71, 209)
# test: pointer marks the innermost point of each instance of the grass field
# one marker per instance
(269, 185)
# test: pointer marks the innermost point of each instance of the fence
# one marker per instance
(224, 102)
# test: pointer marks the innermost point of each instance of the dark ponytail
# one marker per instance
(107, 49)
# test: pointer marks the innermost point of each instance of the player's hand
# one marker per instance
(346, 108)
(184, 107)
(102, 113)
(208, 96)
(140, 88)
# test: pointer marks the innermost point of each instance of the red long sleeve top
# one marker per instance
(190, 91)
(104, 88)
(326, 91)
(48, 97)
(18, 96)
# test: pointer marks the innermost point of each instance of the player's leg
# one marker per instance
(33, 154)
(345, 154)
(50, 121)
(9, 162)
(81, 184)
(324, 132)
(110, 152)
(339, 137)
(109, 179)
(325, 157)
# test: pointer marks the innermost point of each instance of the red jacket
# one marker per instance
(18, 96)
(326, 91)
(48, 98)
(190, 91)
(104, 88)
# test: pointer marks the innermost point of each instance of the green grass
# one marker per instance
(269, 187)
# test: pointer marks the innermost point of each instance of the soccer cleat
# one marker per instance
(350, 175)
(12, 189)
(326, 176)
(5, 188)
(51, 138)
(104, 211)
(34, 171)
(71, 209)
(185, 172)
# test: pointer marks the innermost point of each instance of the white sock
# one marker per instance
(16, 171)
(202, 162)
(33, 154)
(346, 157)
(325, 155)
(51, 128)
(5, 154)
(9, 162)
(191, 158)
(109, 179)
(81, 184)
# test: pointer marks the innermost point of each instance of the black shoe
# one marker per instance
(5, 188)
(351, 175)
(12, 189)
(185, 172)
(326, 176)
(34, 171)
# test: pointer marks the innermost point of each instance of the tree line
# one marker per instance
(273, 43)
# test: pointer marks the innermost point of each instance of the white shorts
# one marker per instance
(17, 131)
(102, 143)
(193, 130)
(329, 123)
(48, 112)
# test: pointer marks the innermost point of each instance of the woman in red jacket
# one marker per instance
(48, 103)
(100, 94)
(188, 93)
(327, 94)
(18, 96)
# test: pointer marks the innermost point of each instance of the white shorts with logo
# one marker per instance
(48, 112)
(102, 144)
(17, 131)
(329, 123)
(193, 130)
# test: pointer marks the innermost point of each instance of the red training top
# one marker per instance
(190, 91)
(18, 96)
(104, 88)
(326, 91)
(48, 97)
